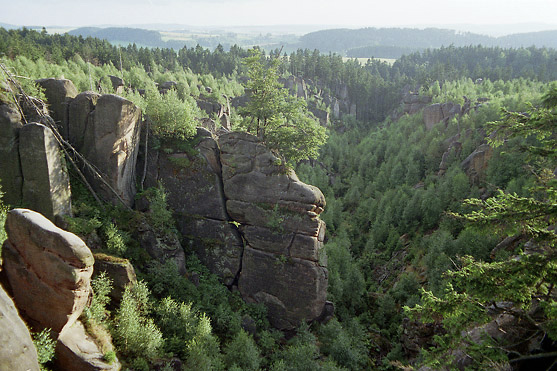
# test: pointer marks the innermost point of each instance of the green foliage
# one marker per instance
(242, 353)
(135, 333)
(115, 239)
(280, 120)
(45, 345)
(102, 286)
(477, 290)
(160, 215)
(171, 116)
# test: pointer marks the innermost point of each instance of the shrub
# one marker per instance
(135, 334)
(44, 344)
(242, 352)
(171, 116)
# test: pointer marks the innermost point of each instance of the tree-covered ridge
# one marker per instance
(356, 41)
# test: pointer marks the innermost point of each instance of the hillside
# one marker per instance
(394, 42)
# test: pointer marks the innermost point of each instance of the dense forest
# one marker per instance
(414, 269)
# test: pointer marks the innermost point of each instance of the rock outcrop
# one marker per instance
(413, 103)
(110, 142)
(195, 195)
(475, 165)
(49, 272)
(119, 270)
(46, 185)
(440, 112)
(77, 350)
(58, 93)
(250, 220)
(11, 177)
(32, 171)
(17, 352)
(278, 218)
(48, 269)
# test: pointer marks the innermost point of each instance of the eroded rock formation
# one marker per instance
(278, 218)
(49, 272)
(250, 220)
(48, 269)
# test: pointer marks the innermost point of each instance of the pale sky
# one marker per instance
(347, 13)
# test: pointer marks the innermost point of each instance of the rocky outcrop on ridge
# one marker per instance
(32, 170)
(17, 352)
(250, 220)
(110, 143)
(440, 112)
(279, 222)
(58, 93)
(475, 165)
(195, 194)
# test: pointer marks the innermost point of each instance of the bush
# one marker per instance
(242, 352)
(135, 334)
(45, 345)
(171, 116)
(102, 286)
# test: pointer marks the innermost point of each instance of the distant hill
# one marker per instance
(394, 42)
(127, 35)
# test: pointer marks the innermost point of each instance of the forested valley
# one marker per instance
(438, 172)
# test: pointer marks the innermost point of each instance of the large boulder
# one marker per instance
(76, 350)
(119, 270)
(110, 143)
(17, 352)
(58, 93)
(11, 177)
(48, 269)
(278, 216)
(46, 185)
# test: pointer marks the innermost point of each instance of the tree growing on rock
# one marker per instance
(280, 120)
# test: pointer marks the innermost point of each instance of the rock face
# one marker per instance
(250, 220)
(110, 143)
(195, 195)
(49, 272)
(439, 112)
(11, 177)
(48, 269)
(76, 350)
(284, 236)
(475, 165)
(413, 103)
(31, 170)
(16, 347)
(119, 270)
(79, 115)
(58, 93)
(46, 185)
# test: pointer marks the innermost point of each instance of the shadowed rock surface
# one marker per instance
(192, 181)
(10, 168)
(17, 352)
(46, 185)
(58, 93)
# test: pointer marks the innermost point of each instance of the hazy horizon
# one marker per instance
(480, 16)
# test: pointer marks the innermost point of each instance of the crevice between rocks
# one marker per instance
(229, 219)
